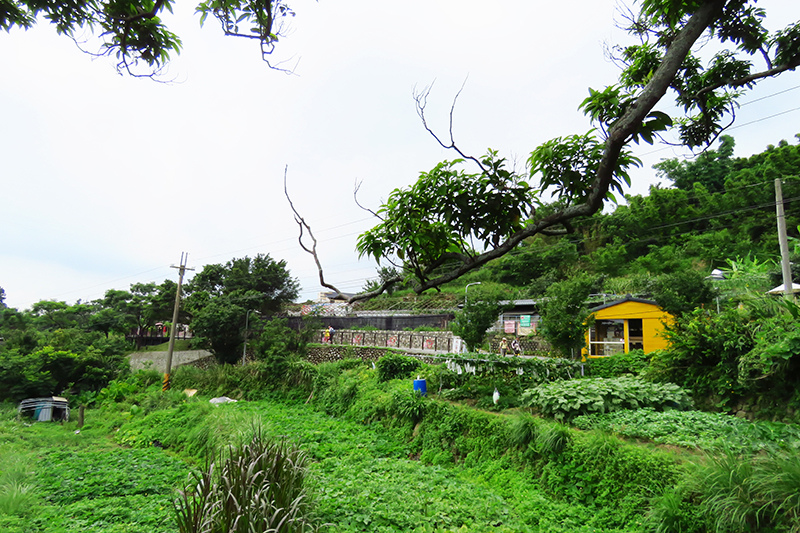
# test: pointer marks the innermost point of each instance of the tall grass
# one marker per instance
(258, 486)
(16, 484)
(732, 493)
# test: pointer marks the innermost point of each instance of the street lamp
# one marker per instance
(465, 290)
(717, 275)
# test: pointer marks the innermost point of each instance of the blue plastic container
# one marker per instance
(421, 387)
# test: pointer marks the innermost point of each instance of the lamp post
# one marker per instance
(717, 275)
(465, 290)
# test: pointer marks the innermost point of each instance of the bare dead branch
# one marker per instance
(421, 100)
(303, 225)
(356, 188)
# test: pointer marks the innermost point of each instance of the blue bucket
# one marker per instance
(421, 387)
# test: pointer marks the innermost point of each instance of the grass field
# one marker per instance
(54, 480)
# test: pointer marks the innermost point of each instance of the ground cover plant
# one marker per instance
(565, 400)
(696, 429)
(380, 458)
(54, 479)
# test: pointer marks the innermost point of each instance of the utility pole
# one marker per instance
(786, 270)
(246, 325)
(181, 270)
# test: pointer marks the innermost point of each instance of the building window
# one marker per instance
(607, 337)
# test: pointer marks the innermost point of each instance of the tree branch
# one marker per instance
(303, 225)
(738, 82)
(421, 99)
(618, 136)
(355, 199)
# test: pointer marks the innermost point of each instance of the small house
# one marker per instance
(49, 409)
(624, 325)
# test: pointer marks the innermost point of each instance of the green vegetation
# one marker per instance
(479, 313)
(180, 345)
(634, 363)
(379, 457)
(396, 366)
(564, 400)
(257, 486)
(695, 429)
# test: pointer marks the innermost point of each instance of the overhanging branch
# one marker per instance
(618, 136)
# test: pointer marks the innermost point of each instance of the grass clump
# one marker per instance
(733, 493)
(258, 486)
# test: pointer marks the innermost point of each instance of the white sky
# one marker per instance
(105, 179)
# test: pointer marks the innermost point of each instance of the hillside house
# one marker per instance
(624, 325)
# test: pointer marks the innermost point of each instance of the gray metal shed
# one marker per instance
(49, 409)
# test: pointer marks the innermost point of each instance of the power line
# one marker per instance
(762, 119)
(770, 95)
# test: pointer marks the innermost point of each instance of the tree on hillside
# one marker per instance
(682, 292)
(221, 296)
(454, 220)
(132, 30)
(709, 169)
(565, 316)
(479, 313)
(153, 303)
(114, 313)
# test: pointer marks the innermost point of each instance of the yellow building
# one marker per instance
(624, 325)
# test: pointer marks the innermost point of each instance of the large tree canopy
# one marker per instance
(454, 220)
(133, 32)
(220, 298)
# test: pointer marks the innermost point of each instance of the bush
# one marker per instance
(396, 366)
(704, 353)
(633, 362)
(564, 400)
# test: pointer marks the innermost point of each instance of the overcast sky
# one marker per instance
(106, 179)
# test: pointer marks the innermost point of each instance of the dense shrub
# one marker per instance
(48, 371)
(735, 358)
(704, 352)
(395, 366)
(564, 400)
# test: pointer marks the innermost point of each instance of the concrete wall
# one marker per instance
(158, 360)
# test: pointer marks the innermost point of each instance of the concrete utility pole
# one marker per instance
(181, 270)
(786, 270)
